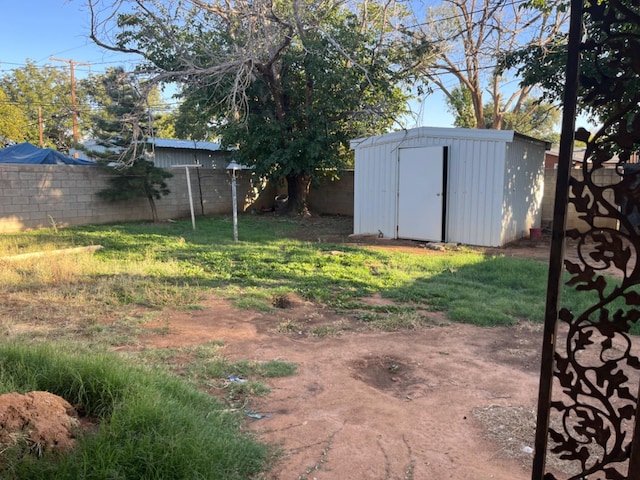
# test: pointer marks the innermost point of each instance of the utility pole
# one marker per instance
(40, 127)
(72, 64)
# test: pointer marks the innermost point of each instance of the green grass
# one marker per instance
(160, 412)
(151, 425)
(171, 265)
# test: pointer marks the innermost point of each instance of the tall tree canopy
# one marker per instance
(609, 87)
(47, 88)
(536, 118)
(545, 65)
(287, 83)
(469, 38)
(13, 123)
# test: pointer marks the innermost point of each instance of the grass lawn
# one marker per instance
(88, 302)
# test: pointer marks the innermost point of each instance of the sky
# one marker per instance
(39, 29)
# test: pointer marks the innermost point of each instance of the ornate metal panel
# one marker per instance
(590, 375)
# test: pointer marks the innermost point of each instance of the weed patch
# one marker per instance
(142, 412)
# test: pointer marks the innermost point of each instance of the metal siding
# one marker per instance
(375, 187)
(477, 190)
(168, 157)
(523, 189)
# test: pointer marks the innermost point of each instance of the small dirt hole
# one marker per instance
(281, 301)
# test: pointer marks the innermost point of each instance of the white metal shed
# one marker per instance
(476, 187)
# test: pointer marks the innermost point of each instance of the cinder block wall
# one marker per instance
(35, 196)
(333, 196)
(604, 176)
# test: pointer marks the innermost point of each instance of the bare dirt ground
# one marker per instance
(448, 401)
(420, 404)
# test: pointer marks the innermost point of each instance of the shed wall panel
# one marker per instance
(475, 192)
(375, 190)
(523, 189)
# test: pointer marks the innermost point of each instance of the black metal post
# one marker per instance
(556, 256)
(634, 457)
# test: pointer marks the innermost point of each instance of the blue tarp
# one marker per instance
(27, 153)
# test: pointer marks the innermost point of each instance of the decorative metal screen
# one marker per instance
(588, 403)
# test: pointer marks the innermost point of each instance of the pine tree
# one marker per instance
(120, 129)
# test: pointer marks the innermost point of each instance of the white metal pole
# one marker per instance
(193, 217)
(235, 205)
(186, 169)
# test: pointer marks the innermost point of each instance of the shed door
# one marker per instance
(422, 182)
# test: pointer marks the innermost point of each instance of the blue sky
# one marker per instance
(39, 29)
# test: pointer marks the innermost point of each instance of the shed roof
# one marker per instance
(184, 144)
(460, 133)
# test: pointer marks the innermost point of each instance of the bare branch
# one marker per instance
(472, 37)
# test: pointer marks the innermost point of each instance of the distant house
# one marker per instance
(551, 158)
(169, 153)
(165, 153)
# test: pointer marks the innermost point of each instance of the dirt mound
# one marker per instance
(46, 422)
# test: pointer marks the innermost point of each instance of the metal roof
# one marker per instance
(184, 144)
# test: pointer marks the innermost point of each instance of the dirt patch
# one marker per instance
(389, 374)
(367, 404)
(43, 421)
(420, 404)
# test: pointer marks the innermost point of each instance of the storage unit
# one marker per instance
(476, 187)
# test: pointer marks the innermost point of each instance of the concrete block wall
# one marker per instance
(36, 196)
(604, 176)
(333, 196)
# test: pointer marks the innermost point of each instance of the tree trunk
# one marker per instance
(298, 191)
(154, 210)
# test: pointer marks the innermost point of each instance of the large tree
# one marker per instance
(609, 86)
(43, 94)
(537, 119)
(13, 123)
(469, 38)
(545, 65)
(287, 83)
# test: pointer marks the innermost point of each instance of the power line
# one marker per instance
(74, 105)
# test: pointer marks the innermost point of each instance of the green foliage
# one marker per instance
(164, 126)
(141, 179)
(30, 88)
(460, 105)
(533, 117)
(603, 60)
(467, 44)
(121, 129)
(13, 123)
(541, 66)
(121, 125)
(151, 425)
(288, 88)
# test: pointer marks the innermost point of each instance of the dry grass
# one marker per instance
(513, 429)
